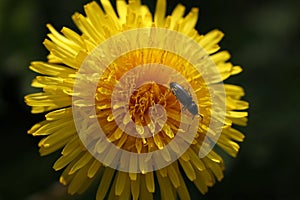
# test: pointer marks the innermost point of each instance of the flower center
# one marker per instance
(147, 102)
(134, 104)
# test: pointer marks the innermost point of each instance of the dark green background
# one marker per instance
(263, 37)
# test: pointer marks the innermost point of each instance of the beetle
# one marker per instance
(184, 98)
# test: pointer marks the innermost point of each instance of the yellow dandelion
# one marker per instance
(137, 101)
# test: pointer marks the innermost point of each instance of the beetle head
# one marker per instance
(172, 85)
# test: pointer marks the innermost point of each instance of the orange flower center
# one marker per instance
(134, 104)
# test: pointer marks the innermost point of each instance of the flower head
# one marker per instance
(113, 112)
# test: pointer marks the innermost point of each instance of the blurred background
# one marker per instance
(262, 36)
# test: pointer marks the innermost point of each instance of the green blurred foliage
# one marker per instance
(262, 36)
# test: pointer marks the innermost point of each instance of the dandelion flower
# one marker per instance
(111, 111)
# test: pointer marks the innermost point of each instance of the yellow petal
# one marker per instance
(158, 141)
(172, 174)
(105, 183)
(46, 150)
(51, 127)
(72, 35)
(73, 144)
(178, 12)
(239, 121)
(235, 104)
(133, 163)
(160, 12)
(109, 10)
(234, 91)
(61, 55)
(87, 28)
(220, 57)
(149, 178)
(36, 127)
(235, 114)
(195, 160)
(213, 156)
(51, 69)
(85, 159)
(168, 131)
(60, 135)
(190, 21)
(236, 70)
(111, 155)
(229, 146)
(200, 183)
(138, 145)
(188, 169)
(122, 10)
(94, 168)
(144, 192)
(135, 187)
(234, 134)
(97, 17)
(167, 191)
(125, 194)
(65, 178)
(80, 182)
(65, 160)
(210, 40)
(182, 189)
(163, 172)
(215, 168)
(63, 113)
(62, 41)
(120, 182)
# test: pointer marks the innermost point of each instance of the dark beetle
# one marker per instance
(184, 98)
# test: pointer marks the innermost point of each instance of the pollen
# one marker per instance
(143, 101)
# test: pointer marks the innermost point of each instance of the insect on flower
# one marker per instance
(82, 78)
(184, 98)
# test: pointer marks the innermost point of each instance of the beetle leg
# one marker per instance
(189, 92)
(173, 91)
(200, 115)
(182, 109)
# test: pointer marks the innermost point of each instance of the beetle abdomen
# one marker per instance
(192, 108)
(184, 98)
